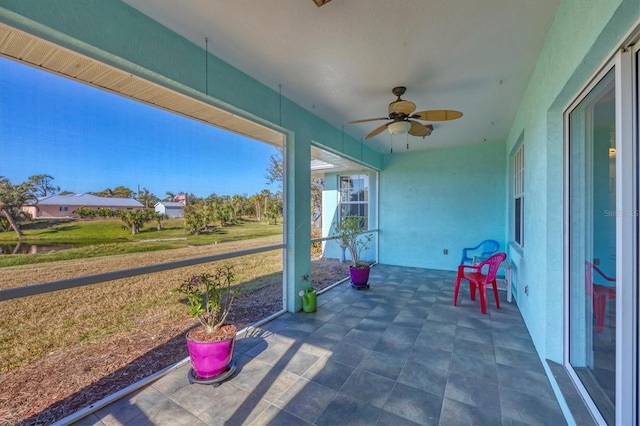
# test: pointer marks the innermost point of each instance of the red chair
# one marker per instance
(477, 279)
(600, 293)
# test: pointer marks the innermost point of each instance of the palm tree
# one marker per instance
(12, 198)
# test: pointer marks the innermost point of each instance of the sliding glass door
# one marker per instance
(602, 241)
(592, 257)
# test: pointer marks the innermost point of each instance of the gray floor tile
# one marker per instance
(424, 377)
(415, 405)
(166, 413)
(474, 392)
(525, 381)
(306, 399)
(382, 364)
(369, 387)
(475, 368)
(365, 339)
(128, 408)
(389, 419)
(471, 349)
(347, 410)
(368, 324)
(520, 408)
(330, 331)
(433, 357)
(521, 343)
(329, 373)
(296, 361)
(345, 320)
(519, 359)
(274, 416)
(455, 413)
(237, 407)
(474, 335)
(399, 353)
(346, 353)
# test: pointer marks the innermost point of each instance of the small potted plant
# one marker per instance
(209, 296)
(349, 232)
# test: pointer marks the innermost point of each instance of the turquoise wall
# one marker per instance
(583, 35)
(441, 199)
(114, 33)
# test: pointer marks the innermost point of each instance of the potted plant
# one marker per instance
(349, 232)
(209, 296)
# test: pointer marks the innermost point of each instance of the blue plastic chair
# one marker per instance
(486, 249)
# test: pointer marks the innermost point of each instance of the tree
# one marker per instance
(147, 198)
(122, 192)
(317, 187)
(12, 198)
(256, 201)
(159, 217)
(275, 170)
(42, 185)
(169, 196)
(135, 219)
(265, 194)
(193, 218)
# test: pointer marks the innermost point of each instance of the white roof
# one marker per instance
(170, 204)
(88, 200)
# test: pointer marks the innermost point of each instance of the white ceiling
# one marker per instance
(341, 60)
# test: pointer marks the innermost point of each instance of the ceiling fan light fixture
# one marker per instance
(399, 127)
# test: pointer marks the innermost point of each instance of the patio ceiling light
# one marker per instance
(399, 127)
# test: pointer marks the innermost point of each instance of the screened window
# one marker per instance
(354, 196)
(518, 196)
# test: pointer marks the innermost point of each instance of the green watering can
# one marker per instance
(309, 299)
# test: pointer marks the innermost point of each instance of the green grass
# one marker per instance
(105, 237)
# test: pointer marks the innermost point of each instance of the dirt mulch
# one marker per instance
(62, 383)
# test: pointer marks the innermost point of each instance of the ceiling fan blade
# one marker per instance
(377, 130)
(437, 115)
(366, 120)
(402, 107)
(419, 129)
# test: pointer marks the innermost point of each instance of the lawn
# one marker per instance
(106, 237)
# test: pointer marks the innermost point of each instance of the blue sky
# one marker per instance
(89, 139)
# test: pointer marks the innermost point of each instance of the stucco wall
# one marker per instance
(584, 33)
(440, 199)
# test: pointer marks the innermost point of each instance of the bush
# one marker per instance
(316, 248)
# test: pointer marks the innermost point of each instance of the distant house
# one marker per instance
(64, 205)
(170, 208)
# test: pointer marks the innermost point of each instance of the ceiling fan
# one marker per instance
(403, 118)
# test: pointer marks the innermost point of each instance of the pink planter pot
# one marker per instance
(210, 359)
(359, 276)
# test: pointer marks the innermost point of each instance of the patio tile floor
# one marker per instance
(397, 353)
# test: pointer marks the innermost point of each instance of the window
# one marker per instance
(518, 196)
(354, 196)
(64, 208)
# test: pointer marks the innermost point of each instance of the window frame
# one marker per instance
(364, 202)
(518, 196)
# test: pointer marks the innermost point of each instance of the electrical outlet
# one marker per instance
(526, 290)
(596, 261)
(445, 251)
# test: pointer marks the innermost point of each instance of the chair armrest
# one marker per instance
(461, 268)
(602, 274)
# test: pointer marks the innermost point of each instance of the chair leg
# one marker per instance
(599, 311)
(472, 290)
(483, 297)
(456, 289)
(495, 293)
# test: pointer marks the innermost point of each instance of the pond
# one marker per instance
(25, 248)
